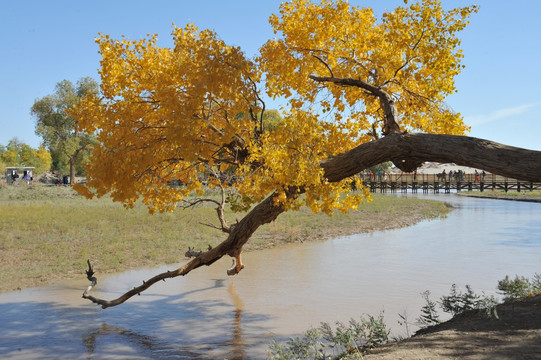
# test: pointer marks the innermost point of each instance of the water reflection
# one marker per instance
(282, 292)
(238, 343)
(144, 343)
(41, 324)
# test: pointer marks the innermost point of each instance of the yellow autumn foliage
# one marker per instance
(193, 112)
(411, 53)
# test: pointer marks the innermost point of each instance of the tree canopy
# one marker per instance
(68, 146)
(17, 153)
(360, 90)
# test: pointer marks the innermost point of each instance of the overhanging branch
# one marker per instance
(405, 150)
(510, 161)
(263, 213)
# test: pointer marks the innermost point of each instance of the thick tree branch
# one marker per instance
(408, 151)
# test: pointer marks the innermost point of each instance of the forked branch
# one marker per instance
(220, 206)
(390, 120)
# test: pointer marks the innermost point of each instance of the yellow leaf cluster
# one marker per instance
(290, 157)
(410, 53)
(165, 113)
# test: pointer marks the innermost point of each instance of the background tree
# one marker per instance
(17, 153)
(361, 91)
(383, 167)
(10, 153)
(68, 147)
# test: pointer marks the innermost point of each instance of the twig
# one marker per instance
(90, 276)
(192, 253)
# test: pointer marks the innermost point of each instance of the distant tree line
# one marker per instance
(17, 153)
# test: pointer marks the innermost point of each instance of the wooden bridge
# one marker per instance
(432, 183)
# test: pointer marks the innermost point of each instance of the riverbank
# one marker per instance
(50, 232)
(473, 336)
(531, 196)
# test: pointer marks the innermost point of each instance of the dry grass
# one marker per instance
(48, 233)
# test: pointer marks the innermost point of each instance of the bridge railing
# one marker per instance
(436, 183)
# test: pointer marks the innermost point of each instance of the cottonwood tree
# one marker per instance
(360, 90)
(67, 145)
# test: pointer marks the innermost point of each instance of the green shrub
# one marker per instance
(536, 284)
(519, 287)
(345, 340)
(429, 315)
(458, 302)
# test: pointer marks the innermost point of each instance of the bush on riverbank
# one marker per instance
(344, 341)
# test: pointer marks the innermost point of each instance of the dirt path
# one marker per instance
(472, 336)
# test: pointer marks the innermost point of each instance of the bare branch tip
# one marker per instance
(90, 272)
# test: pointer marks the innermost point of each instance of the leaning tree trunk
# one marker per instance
(406, 151)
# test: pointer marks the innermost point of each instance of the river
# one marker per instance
(281, 292)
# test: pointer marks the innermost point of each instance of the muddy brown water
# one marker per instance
(281, 292)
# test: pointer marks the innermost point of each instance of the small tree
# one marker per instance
(68, 147)
(429, 314)
(519, 287)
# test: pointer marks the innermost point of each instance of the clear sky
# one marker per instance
(44, 42)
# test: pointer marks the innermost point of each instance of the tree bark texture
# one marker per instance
(409, 151)
(406, 151)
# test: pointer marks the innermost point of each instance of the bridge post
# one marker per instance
(481, 186)
(518, 186)
(414, 187)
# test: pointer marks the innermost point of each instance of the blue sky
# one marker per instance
(44, 42)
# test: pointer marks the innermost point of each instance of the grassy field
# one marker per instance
(48, 232)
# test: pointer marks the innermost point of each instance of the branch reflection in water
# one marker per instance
(238, 343)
